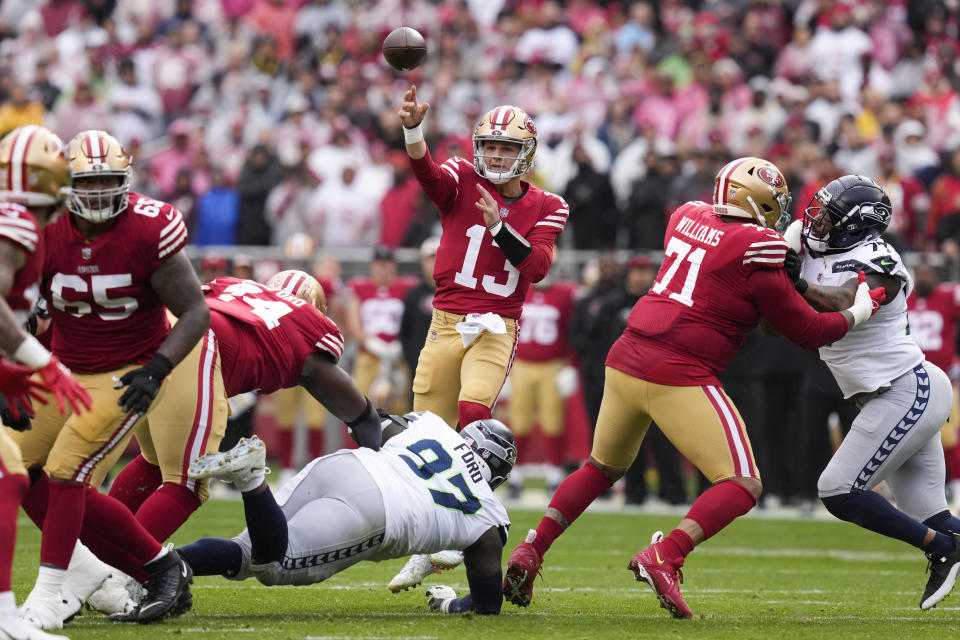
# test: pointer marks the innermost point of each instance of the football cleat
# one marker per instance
(240, 465)
(943, 575)
(522, 569)
(167, 579)
(42, 611)
(12, 628)
(85, 575)
(118, 594)
(663, 575)
(419, 566)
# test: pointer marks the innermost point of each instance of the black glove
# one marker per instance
(365, 429)
(17, 424)
(144, 384)
(794, 266)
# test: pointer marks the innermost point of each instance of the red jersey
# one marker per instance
(106, 313)
(716, 281)
(543, 324)
(265, 335)
(17, 225)
(381, 307)
(933, 323)
(472, 273)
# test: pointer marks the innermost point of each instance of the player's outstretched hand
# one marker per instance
(489, 207)
(18, 387)
(440, 598)
(412, 112)
(867, 301)
(64, 387)
(143, 383)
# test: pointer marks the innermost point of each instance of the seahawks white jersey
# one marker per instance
(880, 349)
(433, 493)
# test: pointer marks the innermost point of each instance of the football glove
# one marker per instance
(17, 387)
(143, 383)
(867, 301)
(440, 598)
(23, 414)
(63, 386)
(794, 265)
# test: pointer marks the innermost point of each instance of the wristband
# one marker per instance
(414, 135)
(364, 415)
(32, 353)
(496, 227)
(159, 366)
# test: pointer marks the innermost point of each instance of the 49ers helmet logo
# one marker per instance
(528, 123)
(771, 176)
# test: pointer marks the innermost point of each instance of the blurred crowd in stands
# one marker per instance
(261, 119)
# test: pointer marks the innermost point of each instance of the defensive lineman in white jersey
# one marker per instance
(427, 489)
(903, 399)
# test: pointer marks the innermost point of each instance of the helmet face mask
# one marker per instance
(755, 189)
(33, 167)
(495, 447)
(504, 124)
(847, 211)
(100, 171)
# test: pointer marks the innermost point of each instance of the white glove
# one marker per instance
(567, 381)
(866, 303)
(792, 235)
(477, 323)
(440, 598)
(381, 348)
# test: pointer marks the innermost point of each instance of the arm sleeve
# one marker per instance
(790, 314)
(537, 263)
(441, 182)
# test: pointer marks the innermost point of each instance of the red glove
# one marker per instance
(17, 385)
(64, 386)
(877, 296)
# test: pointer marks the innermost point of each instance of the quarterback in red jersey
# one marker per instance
(541, 377)
(498, 237)
(933, 310)
(111, 267)
(263, 337)
(33, 170)
(374, 311)
(723, 272)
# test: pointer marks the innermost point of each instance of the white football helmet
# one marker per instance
(300, 284)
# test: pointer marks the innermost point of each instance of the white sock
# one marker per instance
(255, 481)
(8, 604)
(163, 552)
(49, 581)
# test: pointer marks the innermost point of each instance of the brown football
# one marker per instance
(404, 48)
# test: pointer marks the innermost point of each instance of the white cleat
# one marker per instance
(240, 465)
(12, 628)
(42, 612)
(419, 566)
(85, 575)
(118, 594)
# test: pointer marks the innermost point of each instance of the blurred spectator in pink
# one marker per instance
(795, 61)
(386, 15)
(888, 31)
(237, 8)
(179, 154)
(909, 199)
(176, 67)
(940, 106)
(583, 14)
(275, 18)
(764, 113)
(943, 223)
(20, 109)
(79, 112)
(59, 14)
(348, 214)
(658, 109)
(289, 208)
(400, 203)
(261, 172)
(135, 106)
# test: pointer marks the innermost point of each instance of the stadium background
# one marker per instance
(271, 124)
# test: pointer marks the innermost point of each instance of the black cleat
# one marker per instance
(167, 579)
(943, 574)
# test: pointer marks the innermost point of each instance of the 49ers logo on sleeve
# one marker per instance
(771, 176)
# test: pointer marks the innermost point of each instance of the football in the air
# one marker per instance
(404, 48)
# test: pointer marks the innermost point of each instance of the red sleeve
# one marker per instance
(536, 265)
(441, 182)
(790, 314)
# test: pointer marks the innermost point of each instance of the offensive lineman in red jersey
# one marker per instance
(933, 310)
(498, 237)
(722, 273)
(111, 266)
(33, 170)
(263, 337)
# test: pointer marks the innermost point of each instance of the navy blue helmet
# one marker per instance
(844, 213)
(494, 444)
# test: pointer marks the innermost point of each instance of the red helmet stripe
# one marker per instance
(723, 180)
(17, 177)
(293, 283)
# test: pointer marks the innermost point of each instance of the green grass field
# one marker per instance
(761, 578)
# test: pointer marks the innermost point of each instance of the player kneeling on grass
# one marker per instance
(427, 489)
